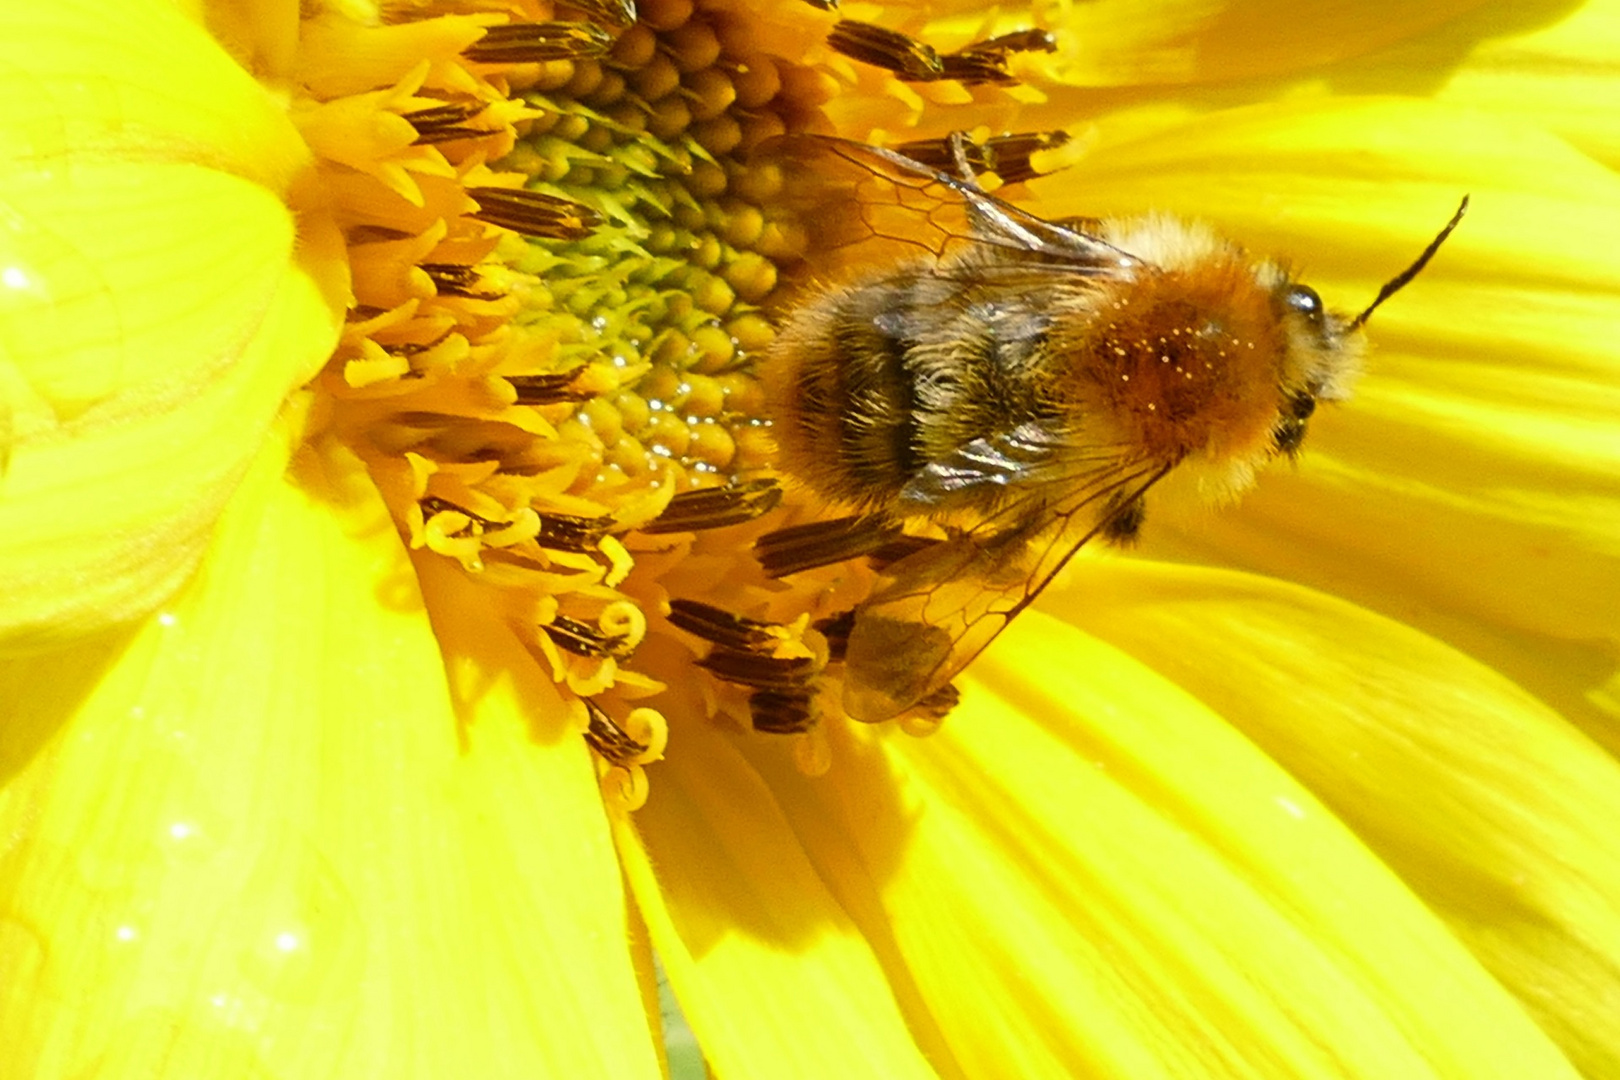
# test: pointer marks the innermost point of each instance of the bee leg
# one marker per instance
(1124, 523)
(937, 704)
(836, 628)
(961, 148)
(715, 508)
(959, 144)
(901, 547)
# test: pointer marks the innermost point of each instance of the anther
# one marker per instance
(583, 639)
(433, 505)
(888, 49)
(609, 738)
(778, 712)
(714, 508)
(533, 213)
(822, 543)
(780, 673)
(446, 123)
(1006, 156)
(549, 389)
(565, 532)
(454, 279)
(531, 42)
(719, 626)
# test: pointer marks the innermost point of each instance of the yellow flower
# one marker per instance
(1319, 786)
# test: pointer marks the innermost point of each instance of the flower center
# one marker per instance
(564, 265)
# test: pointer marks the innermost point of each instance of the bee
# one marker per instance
(994, 390)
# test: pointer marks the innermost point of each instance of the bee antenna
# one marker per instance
(1396, 283)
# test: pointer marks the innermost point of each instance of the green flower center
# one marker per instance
(653, 137)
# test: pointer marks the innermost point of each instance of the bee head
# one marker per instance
(1324, 347)
(1321, 358)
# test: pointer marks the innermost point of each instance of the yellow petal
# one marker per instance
(773, 976)
(1085, 873)
(1491, 807)
(259, 835)
(87, 80)
(1166, 42)
(261, 34)
(1555, 69)
(99, 524)
(158, 299)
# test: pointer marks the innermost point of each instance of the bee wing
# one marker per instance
(1013, 300)
(1021, 458)
(938, 608)
(863, 205)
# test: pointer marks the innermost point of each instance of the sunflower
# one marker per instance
(375, 379)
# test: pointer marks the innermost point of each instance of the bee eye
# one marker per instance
(1303, 299)
(1301, 405)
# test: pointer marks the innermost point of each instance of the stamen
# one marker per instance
(583, 639)
(720, 627)
(360, 235)
(455, 280)
(1028, 40)
(986, 61)
(565, 532)
(714, 508)
(822, 543)
(432, 506)
(1006, 156)
(549, 389)
(836, 629)
(891, 50)
(780, 673)
(914, 61)
(639, 740)
(608, 738)
(777, 712)
(974, 68)
(925, 717)
(534, 213)
(537, 42)
(775, 661)
(444, 123)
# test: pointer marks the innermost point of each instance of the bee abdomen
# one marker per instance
(843, 402)
(878, 411)
(873, 384)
